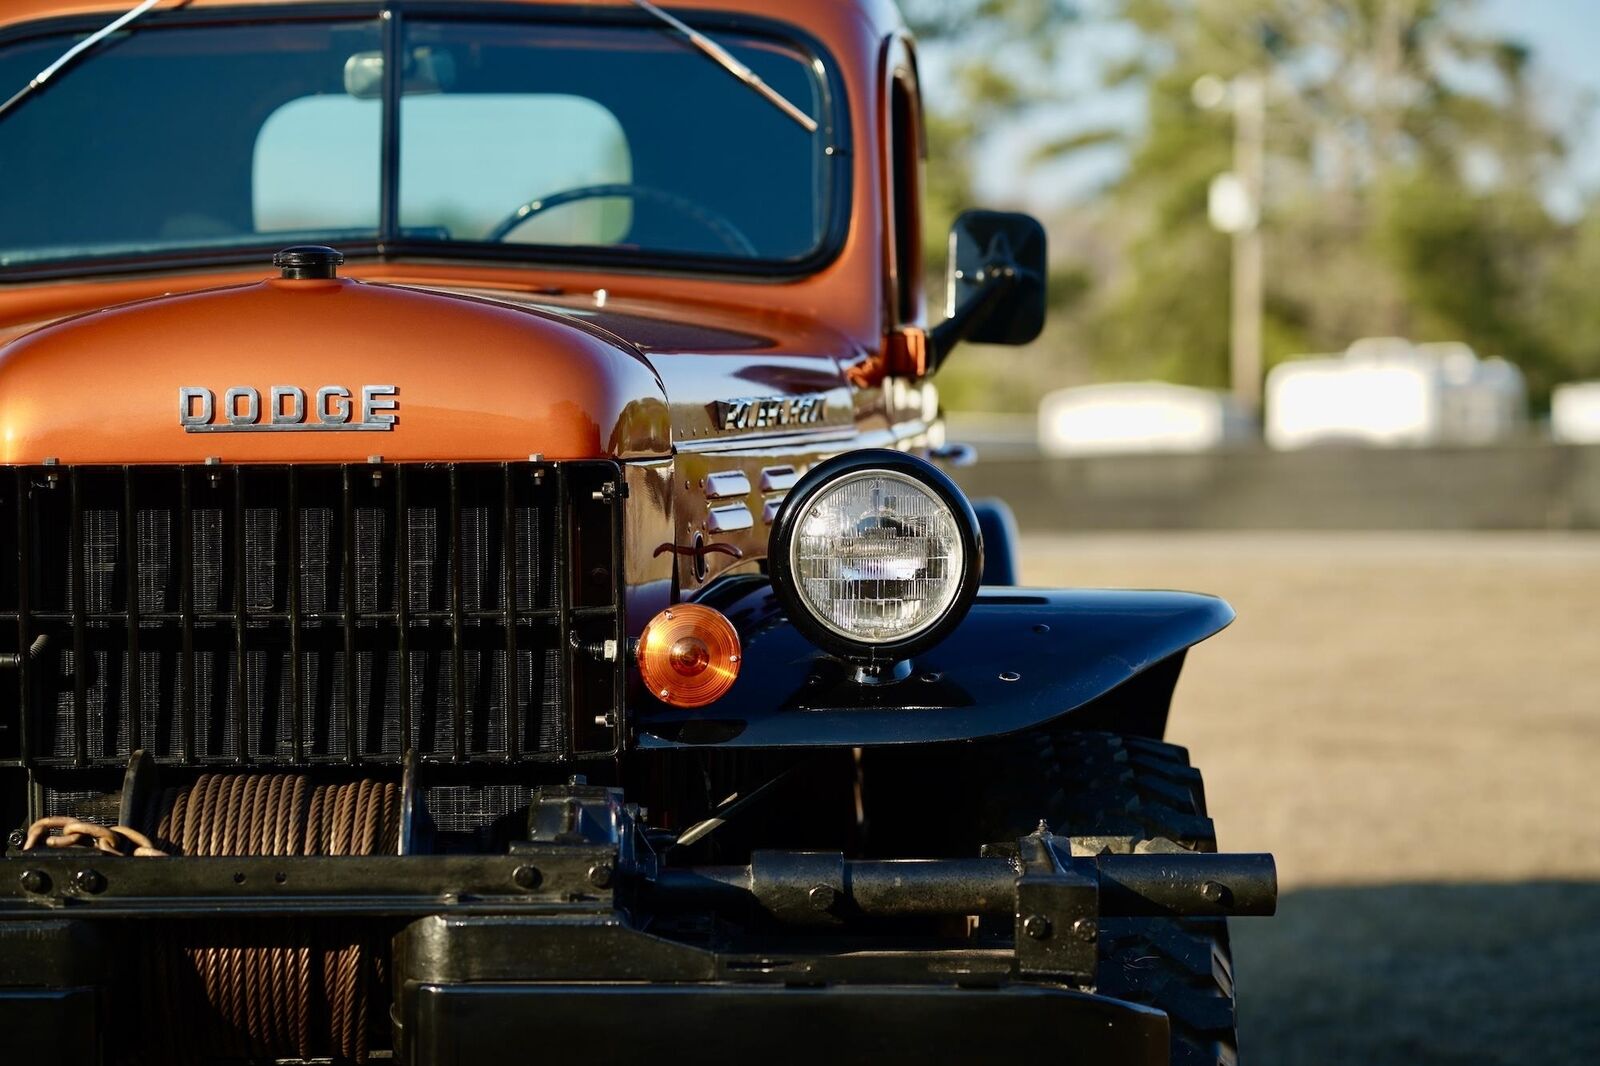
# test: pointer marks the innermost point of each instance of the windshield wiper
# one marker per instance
(727, 62)
(74, 52)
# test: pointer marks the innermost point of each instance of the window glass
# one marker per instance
(623, 137)
(531, 137)
(148, 143)
(467, 159)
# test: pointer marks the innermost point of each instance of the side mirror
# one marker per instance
(996, 282)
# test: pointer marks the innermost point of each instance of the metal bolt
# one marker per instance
(823, 897)
(1036, 926)
(1215, 892)
(91, 881)
(600, 875)
(35, 881)
(16, 839)
(1085, 929)
(526, 877)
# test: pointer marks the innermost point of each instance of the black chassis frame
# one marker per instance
(841, 957)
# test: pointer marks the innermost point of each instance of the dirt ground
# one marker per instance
(1411, 723)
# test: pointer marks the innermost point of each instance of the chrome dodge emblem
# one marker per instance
(332, 408)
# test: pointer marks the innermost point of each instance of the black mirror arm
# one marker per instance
(995, 281)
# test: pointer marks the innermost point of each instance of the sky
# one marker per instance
(1564, 36)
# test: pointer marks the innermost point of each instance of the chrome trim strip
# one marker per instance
(778, 478)
(729, 519)
(726, 484)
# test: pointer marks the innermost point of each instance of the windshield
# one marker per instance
(541, 141)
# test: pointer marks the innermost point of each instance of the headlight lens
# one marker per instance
(877, 557)
(876, 553)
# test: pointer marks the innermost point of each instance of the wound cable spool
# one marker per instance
(269, 989)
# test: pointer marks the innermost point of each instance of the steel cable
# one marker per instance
(276, 989)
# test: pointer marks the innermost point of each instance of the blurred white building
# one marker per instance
(1388, 392)
(1150, 416)
(1575, 413)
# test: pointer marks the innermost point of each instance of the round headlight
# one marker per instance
(876, 554)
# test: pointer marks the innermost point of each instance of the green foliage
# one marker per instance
(1405, 160)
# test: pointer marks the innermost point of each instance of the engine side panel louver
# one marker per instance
(226, 615)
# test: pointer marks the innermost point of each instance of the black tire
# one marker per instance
(1121, 794)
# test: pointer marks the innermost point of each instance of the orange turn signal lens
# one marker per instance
(689, 655)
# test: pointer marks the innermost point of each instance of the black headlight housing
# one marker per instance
(913, 549)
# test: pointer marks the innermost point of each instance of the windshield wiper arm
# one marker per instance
(726, 61)
(74, 52)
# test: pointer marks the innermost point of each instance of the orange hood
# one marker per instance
(431, 375)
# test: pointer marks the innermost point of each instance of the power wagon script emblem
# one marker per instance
(769, 412)
(333, 408)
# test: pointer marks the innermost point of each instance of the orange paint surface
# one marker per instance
(474, 380)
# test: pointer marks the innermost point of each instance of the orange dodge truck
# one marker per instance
(478, 582)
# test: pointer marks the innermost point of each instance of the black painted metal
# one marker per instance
(783, 884)
(1188, 884)
(130, 550)
(458, 1025)
(999, 527)
(240, 615)
(573, 918)
(1020, 658)
(303, 886)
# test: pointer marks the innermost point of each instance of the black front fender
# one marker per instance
(1022, 657)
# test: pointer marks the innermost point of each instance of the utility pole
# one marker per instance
(1248, 97)
(1235, 209)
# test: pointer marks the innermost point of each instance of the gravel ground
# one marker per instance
(1411, 723)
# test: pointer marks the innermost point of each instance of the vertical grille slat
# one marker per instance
(76, 594)
(241, 657)
(348, 614)
(229, 614)
(402, 606)
(133, 690)
(297, 739)
(25, 635)
(458, 711)
(558, 719)
(509, 701)
(186, 607)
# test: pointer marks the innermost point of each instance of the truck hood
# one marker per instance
(327, 370)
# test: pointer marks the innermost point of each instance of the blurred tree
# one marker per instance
(1406, 158)
(999, 53)
(993, 63)
(1407, 155)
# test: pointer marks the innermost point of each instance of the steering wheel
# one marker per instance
(725, 231)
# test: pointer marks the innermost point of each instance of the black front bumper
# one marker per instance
(654, 1024)
(464, 997)
(571, 947)
(504, 988)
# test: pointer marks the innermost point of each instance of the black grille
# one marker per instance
(303, 614)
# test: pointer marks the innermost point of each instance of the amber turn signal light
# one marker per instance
(689, 655)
